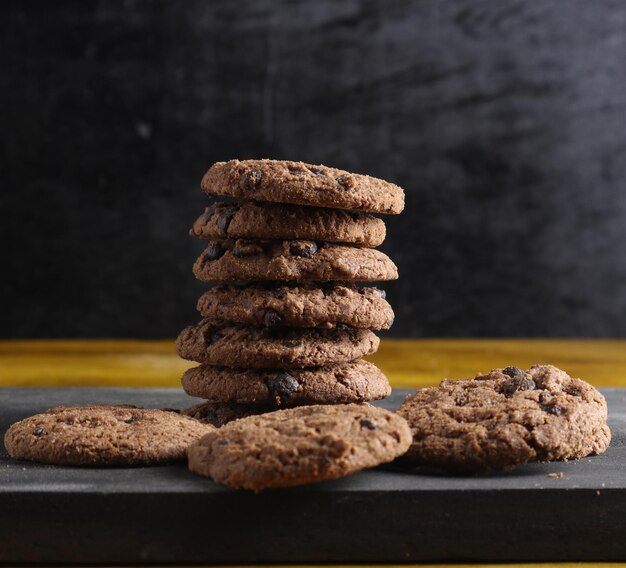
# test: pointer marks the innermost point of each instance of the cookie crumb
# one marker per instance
(556, 474)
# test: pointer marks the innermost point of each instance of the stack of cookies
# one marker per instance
(291, 247)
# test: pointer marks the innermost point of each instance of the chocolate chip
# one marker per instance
(272, 317)
(38, 431)
(223, 221)
(282, 385)
(280, 292)
(544, 396)
(517, 382)
(514, 384)
(214, 250)
(305, 249)
(211, 336)
(491, 426)
(290, 343)
(365, 423)
(344, 182)
(250, 180)
(129, 420)
(553, 409)
(508, 388)
(514, 372)
(317, 171)
(295, 172)
(243, 247)
(208, 213)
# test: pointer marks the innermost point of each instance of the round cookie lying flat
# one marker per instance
(358, 381)
(255, 220)
(103, 435)
(304, 305)
(303, 184)
(219, 413)
(504, 418)
(258, 347)
(241, 259)
(299, 445)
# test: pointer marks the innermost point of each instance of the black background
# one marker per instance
(504, 120)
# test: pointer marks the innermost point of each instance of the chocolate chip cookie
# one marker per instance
(242, 259)
(302, 184)
(357, 381)
(258, 347)
(257, 220)
(304, 305)
(103, 435)
(504, 418)
(299, 445)
(219, 413)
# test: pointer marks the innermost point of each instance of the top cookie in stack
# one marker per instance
(289, 244)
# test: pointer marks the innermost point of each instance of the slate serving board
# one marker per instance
(165, 514)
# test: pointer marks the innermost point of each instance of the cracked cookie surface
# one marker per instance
(357, 381)
(303, 184)
(299, 445)
(103, 435)
(506, 417)
(327, 305)
(245, 260)
(258, 347)
(255, 220)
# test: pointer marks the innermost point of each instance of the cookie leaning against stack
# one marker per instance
(289, 246)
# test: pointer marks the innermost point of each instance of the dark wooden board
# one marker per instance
(166, 514)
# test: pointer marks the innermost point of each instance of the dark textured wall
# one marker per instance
(505, 121)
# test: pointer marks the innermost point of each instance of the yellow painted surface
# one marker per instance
(407, 363)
